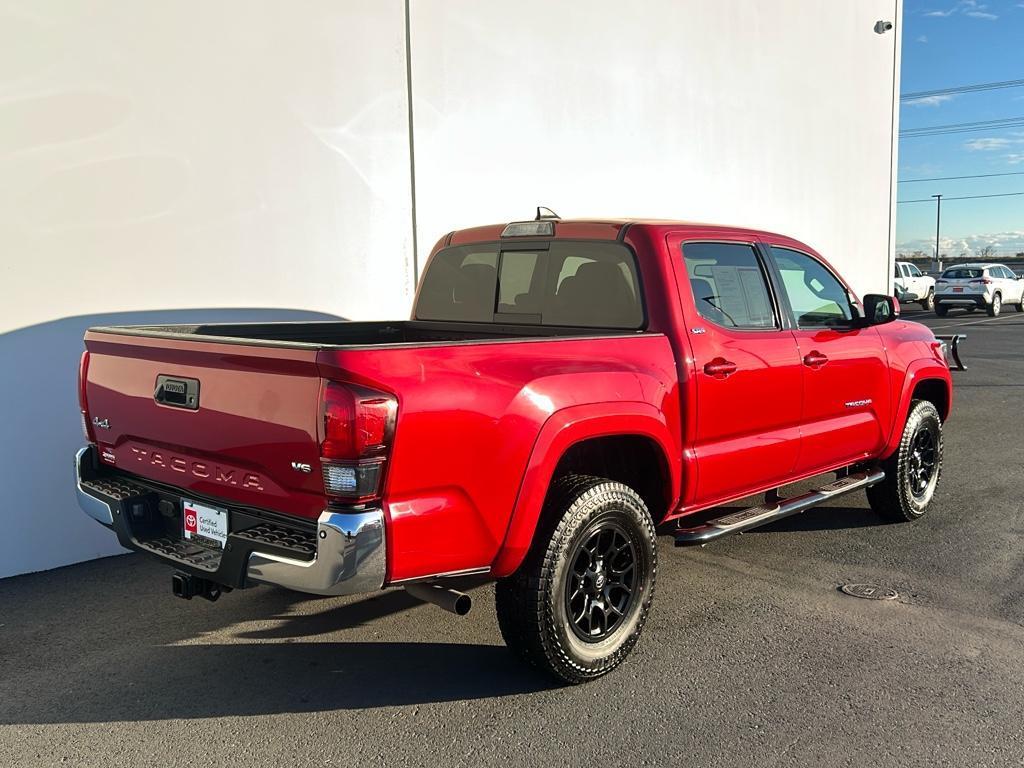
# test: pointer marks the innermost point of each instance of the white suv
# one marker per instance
(912, 285)
(978, 285)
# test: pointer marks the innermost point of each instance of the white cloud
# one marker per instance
(968, 8)
(988, 144)
(930, 101)
(1014, 158)
(1005, 243)
(922, 39)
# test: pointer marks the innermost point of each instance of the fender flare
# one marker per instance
(563, 429)
(917, 371)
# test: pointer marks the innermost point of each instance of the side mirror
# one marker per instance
(879, 309)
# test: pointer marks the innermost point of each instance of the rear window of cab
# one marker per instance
(586, 284)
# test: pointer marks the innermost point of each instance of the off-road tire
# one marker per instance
(896, 498)
(928, 303)
(533, 604)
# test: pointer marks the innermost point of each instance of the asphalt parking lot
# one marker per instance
(752, 656)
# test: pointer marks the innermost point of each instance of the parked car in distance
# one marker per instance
(562, 388)
(912, 285)
(971, 286)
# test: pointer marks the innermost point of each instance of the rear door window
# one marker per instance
(729, 285)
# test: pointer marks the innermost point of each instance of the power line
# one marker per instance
(955, 178)
(965, 197)
(961, 89)
(979, 125)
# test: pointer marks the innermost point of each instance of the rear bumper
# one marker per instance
(349, 545)
(963, 299)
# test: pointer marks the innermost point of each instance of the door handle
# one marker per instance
(720, 368)
(815, 359)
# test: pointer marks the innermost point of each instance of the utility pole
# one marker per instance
(938, 218)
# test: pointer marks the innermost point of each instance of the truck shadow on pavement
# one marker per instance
(106, 642)
(825, 519)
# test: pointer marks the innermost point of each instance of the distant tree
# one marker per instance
(919, 255)
(987, 253)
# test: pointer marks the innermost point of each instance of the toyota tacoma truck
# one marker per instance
(562, 390)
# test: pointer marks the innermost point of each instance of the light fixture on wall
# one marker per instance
(881, 27)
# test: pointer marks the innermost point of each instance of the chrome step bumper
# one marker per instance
(350, 546)
(349, 558)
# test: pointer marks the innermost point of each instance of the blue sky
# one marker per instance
(949, 44)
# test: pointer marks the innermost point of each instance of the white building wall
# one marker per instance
(776, 115)
(239, 160)
(166, 156)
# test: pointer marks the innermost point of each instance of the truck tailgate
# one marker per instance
(255, 412)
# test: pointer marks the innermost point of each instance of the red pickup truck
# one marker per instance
(562, 388)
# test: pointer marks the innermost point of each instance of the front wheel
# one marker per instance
(577, 604)
(928, 304)
(913, 471)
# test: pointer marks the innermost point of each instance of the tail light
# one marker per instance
(83, 405)
(982, 281)
(358, 426)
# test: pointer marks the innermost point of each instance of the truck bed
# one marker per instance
(342, 334)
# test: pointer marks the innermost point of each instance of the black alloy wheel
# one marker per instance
(578, 603)
(600, 589)
(923, 460)
(913, 471)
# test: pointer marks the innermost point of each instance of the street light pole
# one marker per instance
(938, 218)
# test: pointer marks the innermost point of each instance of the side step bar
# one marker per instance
(752, 517)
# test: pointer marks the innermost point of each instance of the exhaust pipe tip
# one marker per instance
(463, 604)
(450, 600)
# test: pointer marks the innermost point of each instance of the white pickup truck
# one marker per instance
(913, 285)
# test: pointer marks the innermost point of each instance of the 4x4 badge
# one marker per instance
(104, 424)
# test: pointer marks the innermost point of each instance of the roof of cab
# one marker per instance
(595, 229)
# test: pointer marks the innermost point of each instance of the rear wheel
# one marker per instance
(913, 471)
(1020, 304)
(928, 303)
(941, 310)
(996, 306)
(577, 604)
